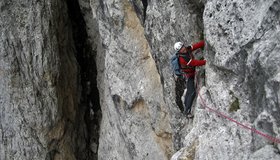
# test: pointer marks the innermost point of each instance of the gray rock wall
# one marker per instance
(135, 121)
(39, 84)
(242, 83)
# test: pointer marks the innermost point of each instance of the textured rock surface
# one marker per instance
(39, 98)
(62, 63)
(140, 116)
(242, 81)
(31, 81)
(135, 123)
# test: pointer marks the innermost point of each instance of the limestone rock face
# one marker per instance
(38, 81)
(242, 82)
(140, 118)
(135, 121)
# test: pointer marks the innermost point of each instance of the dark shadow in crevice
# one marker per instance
(89, 107)
(141, 9)
(145, 5)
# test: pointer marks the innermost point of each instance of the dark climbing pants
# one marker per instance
(190, 95)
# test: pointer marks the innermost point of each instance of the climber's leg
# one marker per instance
(190, 95)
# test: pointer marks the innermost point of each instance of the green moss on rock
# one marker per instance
(234, 105)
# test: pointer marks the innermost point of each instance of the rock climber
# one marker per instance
(188, 64)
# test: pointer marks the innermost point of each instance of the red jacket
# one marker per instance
(188, 63)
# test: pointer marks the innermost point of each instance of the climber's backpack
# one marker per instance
(176, 67)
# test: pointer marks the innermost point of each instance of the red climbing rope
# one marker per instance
(273, 139)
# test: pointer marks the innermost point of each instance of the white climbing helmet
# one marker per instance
(178, 46)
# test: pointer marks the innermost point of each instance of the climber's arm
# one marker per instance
(197, 45)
